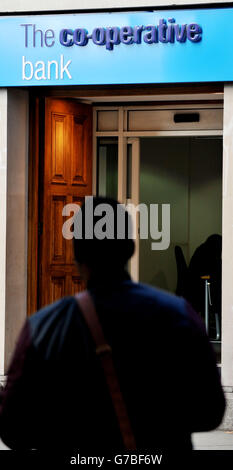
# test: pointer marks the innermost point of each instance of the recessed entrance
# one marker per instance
(158, 154)
(185, 172)
(159, 163)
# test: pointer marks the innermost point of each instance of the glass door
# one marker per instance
(167, 155)
(132, 198)
(107, 167)
(186, 173)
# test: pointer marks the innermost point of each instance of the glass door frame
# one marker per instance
(126, 136)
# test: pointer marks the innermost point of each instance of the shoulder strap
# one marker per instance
(105, 353)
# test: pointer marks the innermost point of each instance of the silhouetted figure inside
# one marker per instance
(206, 261)
(56, 394)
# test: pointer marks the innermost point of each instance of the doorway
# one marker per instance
(140, 153)
(186, 173)
(60, 174)
(169, 155)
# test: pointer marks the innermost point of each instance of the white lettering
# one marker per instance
(24, 65)
(43, 70)
(52, 62)
(40, 68)
(64, 68)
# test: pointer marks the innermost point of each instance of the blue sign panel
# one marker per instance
(175, 46)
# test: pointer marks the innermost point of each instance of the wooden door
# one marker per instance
(67, 178)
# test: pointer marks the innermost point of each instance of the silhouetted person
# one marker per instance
(206, 261)
(56, 395)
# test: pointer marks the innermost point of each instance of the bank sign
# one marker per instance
(175, 46)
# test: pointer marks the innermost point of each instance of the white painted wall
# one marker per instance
(3, 207)
(227, 250)
(13, 226)
(50, 5)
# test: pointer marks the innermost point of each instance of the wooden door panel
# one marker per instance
(57, 287)
(79, 160)
(77, 284)
(58, 162)
(67, 179)
(78, 202)
(58, 245)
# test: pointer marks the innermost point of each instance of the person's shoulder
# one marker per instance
(50, 316)
(169, 308)
(161, 298)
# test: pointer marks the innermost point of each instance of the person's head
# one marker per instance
(214, 243)
(103, 236)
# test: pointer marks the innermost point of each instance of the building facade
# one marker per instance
(142, 127)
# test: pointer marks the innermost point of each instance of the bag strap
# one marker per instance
(104, 351)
